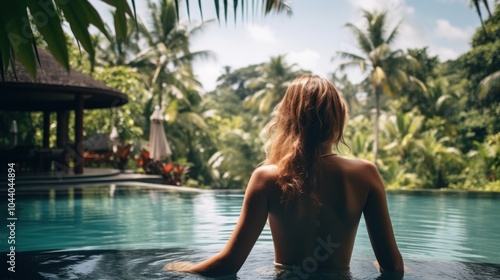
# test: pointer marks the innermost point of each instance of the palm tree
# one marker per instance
(359, 145)
(360, 140)
(167, 55)
(271, 85)
(238, 144)
(236, 156)
(437, 100)
(403, 129)
(483, 165)
(437, 160)
(385, 67)
(238, 79)
(166, 61)
(438, 105)
(489, 85)
(189, 134)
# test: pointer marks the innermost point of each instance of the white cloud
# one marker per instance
(374, 4)
(446, 30)
(307, 59)
(393, 7)
(444, 53)
(410, 36)
(263, 34)
(452, 1)
(207, 74)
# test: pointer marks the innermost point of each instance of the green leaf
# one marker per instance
(225, 10)
(19, 34)
(92, 16)
(121, 5)
(48, 24)
(235, 5)
(253, 9)
(79, 27)
(188, 10)
(201, 10)
(135, 11)
(177, 9)
(242, 10)
(172, 110)
(217, 8)
(120, 22)
(123, 9)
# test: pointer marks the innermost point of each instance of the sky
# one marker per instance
(315, 32)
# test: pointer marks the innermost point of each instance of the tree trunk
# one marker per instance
(478, 10)
(79, 160)
(46, 129)
(160, 96)
(375, 131)
(485, 2)
(62, 129)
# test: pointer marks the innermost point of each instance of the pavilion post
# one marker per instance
(62, 164)
(78, 168)
(62, 129)
(46, 129)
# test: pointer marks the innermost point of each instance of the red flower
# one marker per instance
(168, 167)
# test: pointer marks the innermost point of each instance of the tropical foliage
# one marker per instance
(17, 31)
(22, 20)
(426, 123)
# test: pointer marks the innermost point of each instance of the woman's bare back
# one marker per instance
(303, 236)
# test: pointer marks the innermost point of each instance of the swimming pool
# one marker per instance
(130, 232)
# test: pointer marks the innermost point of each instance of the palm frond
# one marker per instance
(394, 33)
(489, 85)
(376, 27)
(355, 61)
(363, 41)
(277, 6)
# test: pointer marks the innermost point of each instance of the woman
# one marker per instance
(312, 198)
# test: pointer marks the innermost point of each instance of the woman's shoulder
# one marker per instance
(264, 178)
(359, 171)
(266, 172)
(357, 165)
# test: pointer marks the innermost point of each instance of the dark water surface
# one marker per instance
(130, 232)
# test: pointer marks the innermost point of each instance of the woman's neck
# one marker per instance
(325, 149)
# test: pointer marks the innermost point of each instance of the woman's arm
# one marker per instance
(250, 224)
(379, 224)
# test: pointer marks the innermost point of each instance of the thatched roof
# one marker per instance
(54, 89)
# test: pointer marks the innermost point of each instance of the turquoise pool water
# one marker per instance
(130, 232)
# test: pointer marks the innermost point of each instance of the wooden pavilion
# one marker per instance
(57, 91)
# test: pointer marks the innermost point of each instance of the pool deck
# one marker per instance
(90, 176)
(101, 176)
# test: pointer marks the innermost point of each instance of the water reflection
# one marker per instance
(444, 226)
(452, 227)
(147, 264)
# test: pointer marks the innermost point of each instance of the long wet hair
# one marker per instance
(311, 113)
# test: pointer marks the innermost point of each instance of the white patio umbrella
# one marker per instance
(158, 144)
(115, 138)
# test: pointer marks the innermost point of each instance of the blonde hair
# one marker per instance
(311, 113)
